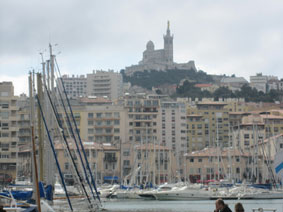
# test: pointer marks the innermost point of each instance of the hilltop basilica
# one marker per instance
(160, 59)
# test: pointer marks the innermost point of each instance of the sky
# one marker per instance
(242, 37)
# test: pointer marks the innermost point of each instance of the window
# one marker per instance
(90, 115)
(98, 130)
(66, 166)
(237, 159)
(238, 170)
(90, 131)
(91, 138)
(117, 122)
(90, 122)
(5, 126)
(4, 114)
(87, 152)
(191, 160)
(200, 160)
(126, 163)
(116, 130)
(5, 135)
(93, 152)
(108, 115)
(126, 153)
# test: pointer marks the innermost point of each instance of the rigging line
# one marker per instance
(66, 143)
(268, 164)
(77, 131)
(65, 149)
(76, 143)
(73, 135)
(54, 153)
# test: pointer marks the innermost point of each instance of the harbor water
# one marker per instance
(191, 206)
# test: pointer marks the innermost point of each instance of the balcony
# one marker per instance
(110, 159)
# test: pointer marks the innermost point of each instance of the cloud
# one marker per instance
(20, 83)
(223, 37)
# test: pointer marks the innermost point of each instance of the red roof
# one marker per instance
(203, 85)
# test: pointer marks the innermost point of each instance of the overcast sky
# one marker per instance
(242, 37)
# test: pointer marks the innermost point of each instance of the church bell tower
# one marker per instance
(168, 45)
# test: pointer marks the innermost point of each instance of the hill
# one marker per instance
(149, 79)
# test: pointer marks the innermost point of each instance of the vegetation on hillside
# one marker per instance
(188, 89)
(149, 79)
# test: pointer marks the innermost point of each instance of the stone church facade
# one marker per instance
(160, 59)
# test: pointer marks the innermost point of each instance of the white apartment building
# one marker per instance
(173, 129)
(173, 125)
(261, 82)
(105, 83)
(76, 86)
(8, 129)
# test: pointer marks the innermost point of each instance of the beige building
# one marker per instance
(104, 161)
(155, 164)
(208, 125)
(268, 148)
(141, 119)
(101, 124)
(105, 83)
(24, 133)
(216, 163)
(8, 129)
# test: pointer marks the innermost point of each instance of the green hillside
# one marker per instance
(149, 79)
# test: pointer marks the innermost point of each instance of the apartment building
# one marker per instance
(269, 147)
(217, 163)
(101, 123)
(8, 129)
(24, 133)
(233, 83)
(76, 86)
(264, 83)
(273, 125)
(105, 83)
(208, 125)
(103, 160)
(173, 129)
(154, 163)
(141, 119)
(173, 125)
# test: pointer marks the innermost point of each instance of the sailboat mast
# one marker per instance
(218, 152)
(35, 173)
(39, 129)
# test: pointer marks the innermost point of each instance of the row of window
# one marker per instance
(103, 123)
(104, 115)
(212, 159)
(101, 130)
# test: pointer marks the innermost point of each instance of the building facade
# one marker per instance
(105, 83)
(208, 125)
(76, 86)
(8, 129)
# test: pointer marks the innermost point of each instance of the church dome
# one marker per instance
(150, 46)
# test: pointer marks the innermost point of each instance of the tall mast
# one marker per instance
(218, 151)
(35, 173)
(39, 124)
